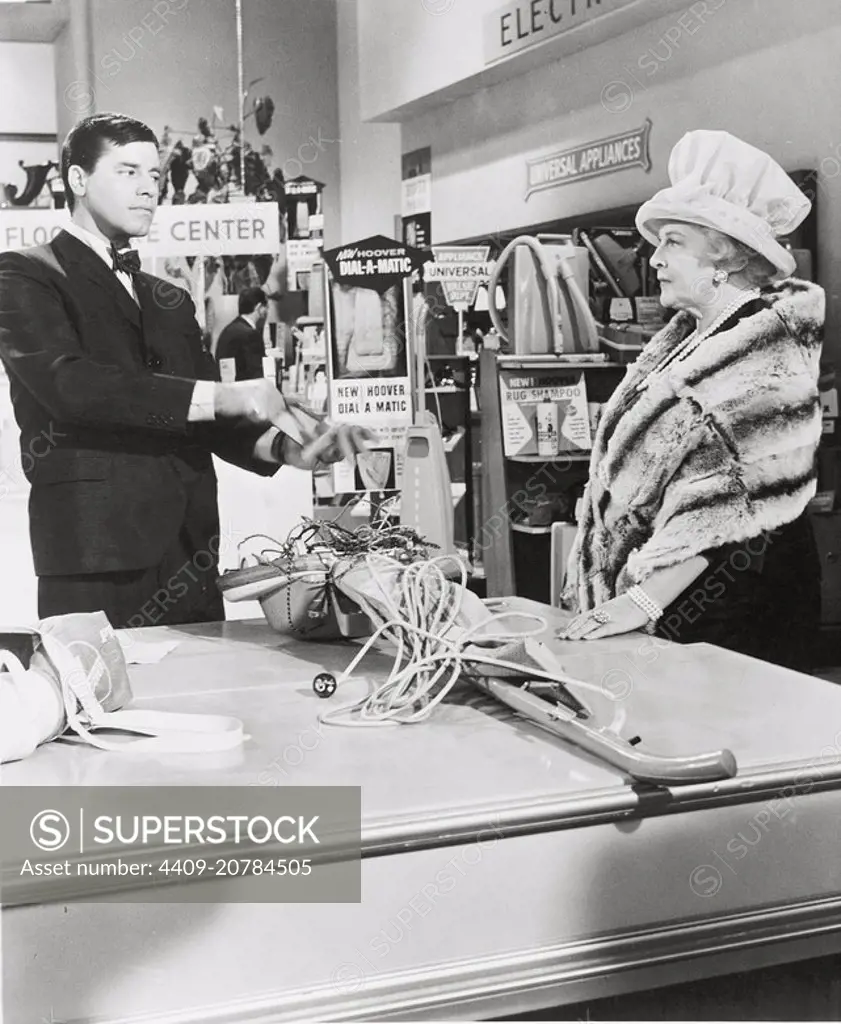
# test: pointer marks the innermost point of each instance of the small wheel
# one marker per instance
(324, 684)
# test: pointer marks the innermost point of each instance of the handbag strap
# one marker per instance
(158, 731)
(163, 732)
(13, 665)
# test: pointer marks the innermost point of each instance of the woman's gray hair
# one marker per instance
(726, 253)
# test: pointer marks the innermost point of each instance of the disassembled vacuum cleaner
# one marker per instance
(327, 583)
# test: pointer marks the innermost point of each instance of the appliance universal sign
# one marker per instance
(593, 159)
(460, 269)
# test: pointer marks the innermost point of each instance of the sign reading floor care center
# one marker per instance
(200, 229)
(593, 159)
(21, 228)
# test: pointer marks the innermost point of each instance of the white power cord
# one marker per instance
(423, 610)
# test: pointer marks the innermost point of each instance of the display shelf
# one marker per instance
(544, 363)
(503, 476)
(535, 531)
(560, 457)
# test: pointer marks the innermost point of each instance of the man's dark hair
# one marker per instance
(250, 299)
(88, 139)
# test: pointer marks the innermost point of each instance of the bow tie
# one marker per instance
(127, 261)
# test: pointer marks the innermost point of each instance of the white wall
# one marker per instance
(410, 51)
(27, 105)
(751, 68)
(418, 51)
(27, 88)
(65, 73)
(369, 153)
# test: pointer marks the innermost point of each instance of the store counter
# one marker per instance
(502, 870)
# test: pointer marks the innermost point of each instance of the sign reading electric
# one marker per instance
(522, 24)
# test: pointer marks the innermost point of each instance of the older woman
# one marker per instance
(693, 522)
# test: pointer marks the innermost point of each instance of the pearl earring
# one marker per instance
(720, 276)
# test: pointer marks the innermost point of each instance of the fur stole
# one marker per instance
(716, 450)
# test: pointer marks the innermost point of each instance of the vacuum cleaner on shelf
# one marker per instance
(548, 284)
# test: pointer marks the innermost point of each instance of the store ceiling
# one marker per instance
(37, 22)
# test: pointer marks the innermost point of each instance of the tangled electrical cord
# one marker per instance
(420, 615)
(295, 579)
(328, 541)
(438, 638)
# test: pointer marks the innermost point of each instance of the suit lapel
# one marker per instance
(84, 260)
(146, 299)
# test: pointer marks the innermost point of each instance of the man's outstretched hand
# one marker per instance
(333, 443)
(309, 441)
(312, 441)
(257, 401)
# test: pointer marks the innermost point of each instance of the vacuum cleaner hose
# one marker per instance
(584, 334)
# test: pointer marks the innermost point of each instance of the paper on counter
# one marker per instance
(145, 652)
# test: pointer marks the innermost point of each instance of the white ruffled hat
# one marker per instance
(721, 182)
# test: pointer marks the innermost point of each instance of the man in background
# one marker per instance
(240, 346)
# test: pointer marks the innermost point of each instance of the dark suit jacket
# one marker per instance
(101, 391)
(242, 342)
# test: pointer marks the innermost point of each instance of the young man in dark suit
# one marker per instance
(242, 339)
(107, 364)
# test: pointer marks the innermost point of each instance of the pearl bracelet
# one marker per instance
(645, 603)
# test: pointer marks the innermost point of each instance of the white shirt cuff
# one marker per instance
(263, 446)
(203, 404)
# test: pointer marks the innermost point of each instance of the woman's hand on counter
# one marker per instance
(622, 614)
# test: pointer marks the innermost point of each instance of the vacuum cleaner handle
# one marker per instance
(548, 276)
(585, 337)
(635, 761)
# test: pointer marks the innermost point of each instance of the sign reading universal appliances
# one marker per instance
(630, 149)
(521, 24)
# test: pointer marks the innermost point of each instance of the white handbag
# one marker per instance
(31, 709)
(62, 695)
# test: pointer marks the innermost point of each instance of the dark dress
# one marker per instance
(761, 596)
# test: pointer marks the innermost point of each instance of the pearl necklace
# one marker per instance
(693, 340)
